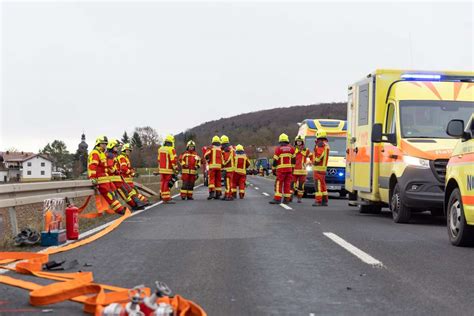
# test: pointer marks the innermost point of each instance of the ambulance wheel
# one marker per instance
(370, 209)
(400, 213)
(342, 194)
(460, 234)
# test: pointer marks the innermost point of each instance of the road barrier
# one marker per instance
(20, 194)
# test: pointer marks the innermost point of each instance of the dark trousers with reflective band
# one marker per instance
(283, 185)
(299, 181)
(229, 183)
(239, 183)
(320, 185)
(165, 189)
(214, 179)
(187, 186)
(107, 191)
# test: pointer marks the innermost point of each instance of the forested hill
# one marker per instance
(261, 128)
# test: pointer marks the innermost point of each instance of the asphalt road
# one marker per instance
(248, 257)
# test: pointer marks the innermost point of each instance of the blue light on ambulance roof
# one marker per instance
(340, 174)
(421, 76)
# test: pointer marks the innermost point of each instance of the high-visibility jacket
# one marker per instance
(242, 162)
(97, 166)
(167, 160)
(299, 159)
(282, 159)
(321, 156)
(113, 167)
(190, 162)
(126, 169)
(228, 162)
(214, 157)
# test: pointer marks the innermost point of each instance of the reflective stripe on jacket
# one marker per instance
(300, 157)
(241, 163)
(321, 156)
(214, 157)
(190, 162)
(282, 159)
(97, 166)
(228, 159)
(167, 160)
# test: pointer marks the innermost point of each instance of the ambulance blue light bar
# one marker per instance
(421, 77)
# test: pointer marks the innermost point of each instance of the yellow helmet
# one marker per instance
(101, 140)
(216, 139)
(299, 138)
(126, 146)
(112, 143)
(224, 139)
(283, 138)
(169, 139)
(239, 147)
(191, 144)
(321, 133)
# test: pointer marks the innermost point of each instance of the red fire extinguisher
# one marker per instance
(72, 222)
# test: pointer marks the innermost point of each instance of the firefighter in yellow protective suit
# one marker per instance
(127, 172)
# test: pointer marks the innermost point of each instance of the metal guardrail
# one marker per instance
(28, 193)
(18, 194)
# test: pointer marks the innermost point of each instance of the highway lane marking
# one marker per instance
(256, 188)
(265, 193)
(285, 206)
(365, 257)
(92, 231)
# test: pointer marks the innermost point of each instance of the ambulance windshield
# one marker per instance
(429, 119)
(337, 145)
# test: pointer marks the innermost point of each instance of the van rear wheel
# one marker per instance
(460, 234)
(400, 213)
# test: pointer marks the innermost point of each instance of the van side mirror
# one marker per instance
(455, 128)
(377, 133)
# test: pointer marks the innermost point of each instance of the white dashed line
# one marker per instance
(285, 206)
(365, 257)
(256, 188)
(265, 193)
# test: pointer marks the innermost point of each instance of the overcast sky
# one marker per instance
(106, 67)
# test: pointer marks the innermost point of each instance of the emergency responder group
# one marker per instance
(289, 167)
(110, 170)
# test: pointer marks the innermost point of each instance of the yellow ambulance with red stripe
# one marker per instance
(397, 144)
(336, 132)
(459, 193)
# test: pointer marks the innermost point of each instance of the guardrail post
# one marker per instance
(13, 220)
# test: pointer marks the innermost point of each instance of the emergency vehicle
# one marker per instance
(459, 193)
(335, 174)
(397, 144)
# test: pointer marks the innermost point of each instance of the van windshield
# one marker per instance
(429, 119)
(337, 145)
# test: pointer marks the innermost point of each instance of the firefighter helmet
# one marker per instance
(101, 140)
(126, 146)
(321, 134)
(169, 139)
(224, 139)
(112, 143)
(299, 138)
(283, 138)
(191, 144)
(216, 139)
(239, 147)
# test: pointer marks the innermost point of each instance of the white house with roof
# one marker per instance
(24, 167)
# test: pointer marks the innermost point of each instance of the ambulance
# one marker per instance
(335, 174)
(459, 192)
(397, 145)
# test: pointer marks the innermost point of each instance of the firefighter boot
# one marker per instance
(212, 195)
(218, 195)
(275, 202)
(241, 195)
